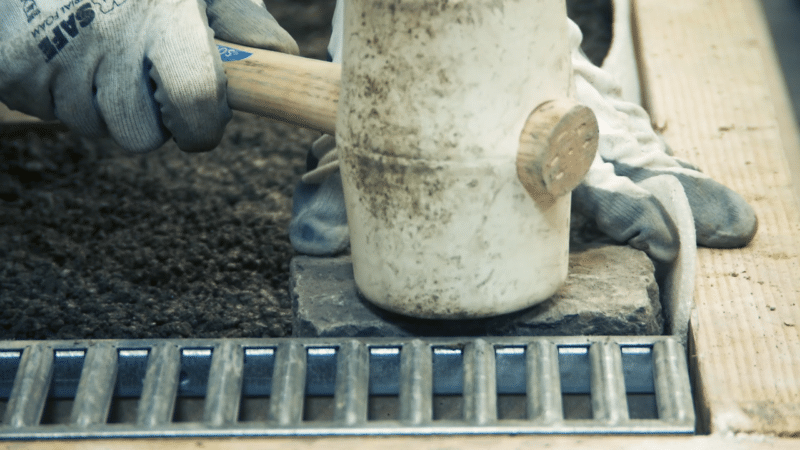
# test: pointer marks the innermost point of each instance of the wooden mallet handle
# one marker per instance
(292, 89)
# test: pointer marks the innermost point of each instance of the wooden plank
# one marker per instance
(711, 81)
(422, 443)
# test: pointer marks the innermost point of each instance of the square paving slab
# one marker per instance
(610, 290)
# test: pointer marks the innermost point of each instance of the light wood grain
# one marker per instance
(556, 148)
(296, 90)
(9, 116)
(710, 82)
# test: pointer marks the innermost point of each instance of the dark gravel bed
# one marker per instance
(97, 243)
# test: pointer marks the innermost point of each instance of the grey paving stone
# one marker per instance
(611, 290)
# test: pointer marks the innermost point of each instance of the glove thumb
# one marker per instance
(247, 22)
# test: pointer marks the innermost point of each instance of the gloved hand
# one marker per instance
(630, 151)
(319, 219)
(613, 192)
(139, 71)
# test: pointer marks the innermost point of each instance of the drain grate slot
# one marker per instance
(195, 368)
(510, 374)
(259, 364)
(131, 371)
(383, 401)
(575, 380)
(67, 368)
(320, 387)
(9, 364)
(637, 368)
(283, 387)
(447, 364)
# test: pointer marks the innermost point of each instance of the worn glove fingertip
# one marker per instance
(206, 142)
(142, 146)
(192, 100)
(208, 131)
(736, 228)
(723, 218)
(247, 22)
(319, 219)
(260, 36)
(194, 134)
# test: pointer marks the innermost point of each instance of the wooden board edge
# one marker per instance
(726, 416)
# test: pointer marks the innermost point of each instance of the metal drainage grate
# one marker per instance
(258, 387)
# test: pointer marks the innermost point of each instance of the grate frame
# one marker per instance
(161, 376)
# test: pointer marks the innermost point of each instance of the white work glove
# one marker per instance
(138, 71)
(319, 219)
(629, 152)
(614, 193)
